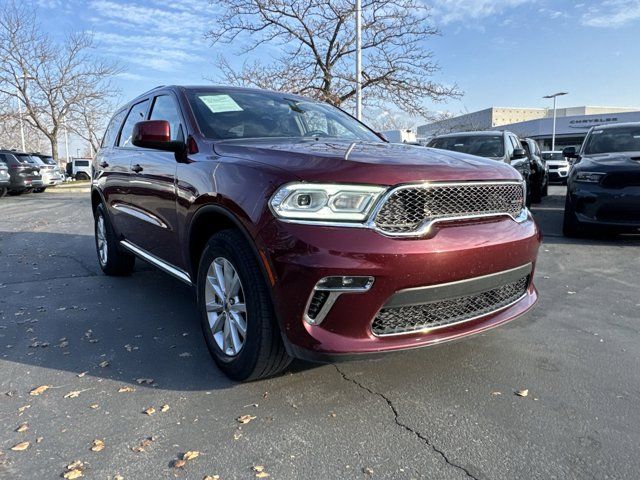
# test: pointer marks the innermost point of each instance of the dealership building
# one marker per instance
(572, 124)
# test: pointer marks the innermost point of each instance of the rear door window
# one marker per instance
(111, 134)
(136, 114)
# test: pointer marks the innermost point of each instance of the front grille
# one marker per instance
(408, 208)
(621, 180)
(441, 313)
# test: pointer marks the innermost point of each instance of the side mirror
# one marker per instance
(155, 134)
(570, 152)
(518, 153)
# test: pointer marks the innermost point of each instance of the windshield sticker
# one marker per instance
(220, 103)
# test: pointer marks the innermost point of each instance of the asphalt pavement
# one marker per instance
(109, 349)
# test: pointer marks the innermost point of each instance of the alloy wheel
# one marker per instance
(226, 307)
(102, 241)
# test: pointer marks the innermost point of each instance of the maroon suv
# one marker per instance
(303, 232)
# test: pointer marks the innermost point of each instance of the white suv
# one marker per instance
(558, 166)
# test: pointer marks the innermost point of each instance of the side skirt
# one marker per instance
(157, 262)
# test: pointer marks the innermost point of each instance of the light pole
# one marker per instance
(553, 132)
(20, 116)
(359, 59)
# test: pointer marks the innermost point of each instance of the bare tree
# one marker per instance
(88, 120)
(50, 80)
(317, 41)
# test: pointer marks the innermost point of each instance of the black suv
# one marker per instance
(24, 172)
(603, 186)
(503, 146)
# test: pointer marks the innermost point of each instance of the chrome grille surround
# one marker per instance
(410, 210)
(447, 312)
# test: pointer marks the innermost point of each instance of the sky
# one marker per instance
(498, 52)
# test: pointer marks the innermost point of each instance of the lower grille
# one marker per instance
(621, 180)
(442, 313)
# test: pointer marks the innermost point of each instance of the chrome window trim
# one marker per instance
(157, 262)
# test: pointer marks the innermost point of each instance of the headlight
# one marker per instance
(325, 202)
(589, 177)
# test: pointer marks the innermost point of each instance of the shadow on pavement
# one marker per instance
(58, 311)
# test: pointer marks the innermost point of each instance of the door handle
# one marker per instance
(137, 168)
(104, 164)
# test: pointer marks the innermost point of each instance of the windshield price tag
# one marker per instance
(220, 103)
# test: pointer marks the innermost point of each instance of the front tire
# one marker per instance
(570, 225)
(112, 259)
(237, 315)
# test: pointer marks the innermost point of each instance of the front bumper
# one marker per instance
(300, 255)
(613, 207)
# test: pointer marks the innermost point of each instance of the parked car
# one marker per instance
(303, 232)
(503, 146)
(5, 180)
(79, 169)
(51, 173)
(24, 172)
(603, 187)
(558, 166)
(539, 177)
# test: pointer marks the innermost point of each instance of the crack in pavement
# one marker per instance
(404, 426)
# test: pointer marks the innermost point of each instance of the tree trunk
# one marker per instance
(54, 148)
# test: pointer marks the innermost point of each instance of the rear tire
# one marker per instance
(39, 190)
(261, 353)
(112, 259)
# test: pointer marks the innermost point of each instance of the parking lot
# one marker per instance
(110, 348)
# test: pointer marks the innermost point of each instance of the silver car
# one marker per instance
(51, 173)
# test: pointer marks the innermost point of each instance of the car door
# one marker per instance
(125, 155)
(111, 172)
(153, 188)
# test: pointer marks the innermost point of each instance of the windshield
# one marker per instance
(480, 145)
(223, 115)
(611, 140)
(552, 156)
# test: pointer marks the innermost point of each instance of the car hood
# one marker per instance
(365, 162)
(610, 161)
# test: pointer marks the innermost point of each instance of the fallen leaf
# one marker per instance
(237, 436)
(367, 471)
(495, 394)
(150, 411)
(190, 455)
(94, 406)
(522, 393)
(164, 408)
(143, 444)
(245, 418)
(71, 474)
(74, 394)
(76, 464)
(98, 445)
(20, 446)
(80, 375)
(63, 344)
(23, 408)
(103, 364)
(39, 390)
(39, 439)
(179, 463)
(184, 354)
(118, 477)
(260, 473)
(211, 477)
(147, 381)
(22, 428)
(126, 389)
